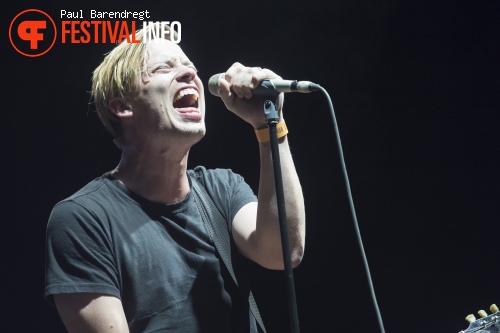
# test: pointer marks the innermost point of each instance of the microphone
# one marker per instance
(266, 85)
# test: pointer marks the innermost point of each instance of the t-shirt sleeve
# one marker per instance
(229, 190)
(239, 191)
(78, 253)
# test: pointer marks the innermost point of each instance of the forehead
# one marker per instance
(164, 50)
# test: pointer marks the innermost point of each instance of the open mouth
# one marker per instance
(186, 99)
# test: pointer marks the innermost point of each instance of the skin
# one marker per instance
(153, 164)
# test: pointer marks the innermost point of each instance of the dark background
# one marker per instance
(415, 85)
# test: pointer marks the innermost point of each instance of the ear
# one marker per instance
(121, 109)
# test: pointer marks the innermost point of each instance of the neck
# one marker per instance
(156, 175)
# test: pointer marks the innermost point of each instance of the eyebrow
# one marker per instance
(174, 60)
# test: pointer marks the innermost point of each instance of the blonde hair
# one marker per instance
(120, 73)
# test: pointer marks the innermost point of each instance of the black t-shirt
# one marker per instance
(157, 258)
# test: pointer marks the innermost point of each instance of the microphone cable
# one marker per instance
(353, 211)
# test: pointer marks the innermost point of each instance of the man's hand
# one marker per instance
(236, 93)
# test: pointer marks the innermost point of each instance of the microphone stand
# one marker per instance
(269, 94)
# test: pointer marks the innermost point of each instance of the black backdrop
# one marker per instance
(415, 85)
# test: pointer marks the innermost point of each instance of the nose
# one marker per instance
(186, 74)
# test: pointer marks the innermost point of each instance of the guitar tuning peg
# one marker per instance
(493, 308)
(482, 314)
(470, 318)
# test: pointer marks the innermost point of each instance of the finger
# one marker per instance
(238, 90)
(243, 79)
(234, 76)
(248, 79)
(225, 89)
(247, 91)
(233, 71)
(261, 74)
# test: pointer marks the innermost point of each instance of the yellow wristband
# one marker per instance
(264, 136)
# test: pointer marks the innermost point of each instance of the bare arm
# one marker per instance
(91, 313)
(256, 226)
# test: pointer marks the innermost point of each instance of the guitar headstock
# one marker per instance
(485, 324)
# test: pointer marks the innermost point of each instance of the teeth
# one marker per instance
(184, 92)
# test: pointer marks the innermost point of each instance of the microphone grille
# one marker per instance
(214, 85)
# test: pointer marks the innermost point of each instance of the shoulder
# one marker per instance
(216, 177)
(85, 205)
(228, 190)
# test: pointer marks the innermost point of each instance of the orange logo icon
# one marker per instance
(32, 33)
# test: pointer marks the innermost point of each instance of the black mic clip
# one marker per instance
(268, 92)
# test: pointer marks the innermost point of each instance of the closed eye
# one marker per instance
(163, 68)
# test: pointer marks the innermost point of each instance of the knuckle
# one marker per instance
(237, 66)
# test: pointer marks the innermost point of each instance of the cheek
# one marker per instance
(155, 97)
(152, 90)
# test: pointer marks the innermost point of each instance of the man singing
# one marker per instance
(129, 252)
